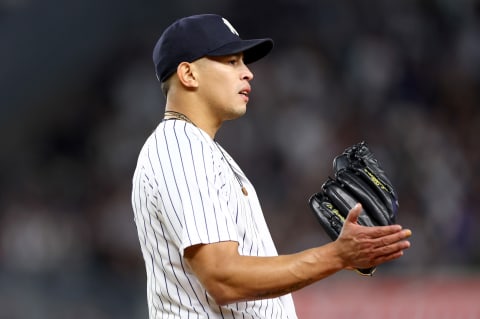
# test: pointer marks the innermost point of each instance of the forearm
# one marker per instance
(237, 278)
(276, 276)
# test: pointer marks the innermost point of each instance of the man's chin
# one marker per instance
(237, 114)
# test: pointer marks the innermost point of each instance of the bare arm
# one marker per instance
(230, 277)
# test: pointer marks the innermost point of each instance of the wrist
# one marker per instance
(328, 260)
(337, 258)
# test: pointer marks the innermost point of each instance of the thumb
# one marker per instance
(353, 214)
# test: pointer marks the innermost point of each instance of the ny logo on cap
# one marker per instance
(230, 26)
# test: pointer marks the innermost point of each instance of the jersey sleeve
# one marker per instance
(193, 191)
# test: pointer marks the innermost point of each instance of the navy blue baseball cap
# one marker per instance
(198, 36)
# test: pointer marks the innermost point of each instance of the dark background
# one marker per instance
(78, 97)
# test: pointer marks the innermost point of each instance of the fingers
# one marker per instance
(352, 216)
(373, 232)
(383, 231)
(394, 238)
(392, 247)
(386, 258)
(392, 251)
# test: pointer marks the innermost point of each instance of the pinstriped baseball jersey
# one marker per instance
(185, 193)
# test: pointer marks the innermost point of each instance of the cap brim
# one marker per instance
(253, 50)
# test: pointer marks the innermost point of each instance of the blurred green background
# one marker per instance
(78, 97)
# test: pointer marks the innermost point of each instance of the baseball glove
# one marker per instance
(358, 178)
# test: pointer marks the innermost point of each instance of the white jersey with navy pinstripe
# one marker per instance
(185, 193)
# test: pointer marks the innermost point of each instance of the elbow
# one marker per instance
(221, 301)
(216, 267)
(222, 294)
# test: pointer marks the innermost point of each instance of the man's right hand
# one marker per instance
(363, 247)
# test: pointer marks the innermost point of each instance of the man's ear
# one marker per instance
(186, 75)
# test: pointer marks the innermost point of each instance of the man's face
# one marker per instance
(224, 85)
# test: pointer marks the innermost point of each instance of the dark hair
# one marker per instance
(165, 86)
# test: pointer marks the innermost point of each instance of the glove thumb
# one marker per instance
(353, 214)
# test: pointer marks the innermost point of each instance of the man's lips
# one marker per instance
(245, 93)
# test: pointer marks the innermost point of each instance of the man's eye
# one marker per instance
(232, 61)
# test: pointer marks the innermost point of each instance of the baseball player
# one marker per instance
(207, 249)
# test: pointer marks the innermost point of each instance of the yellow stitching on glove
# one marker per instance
(375, 180)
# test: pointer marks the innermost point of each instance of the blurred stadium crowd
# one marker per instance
(79, 97)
